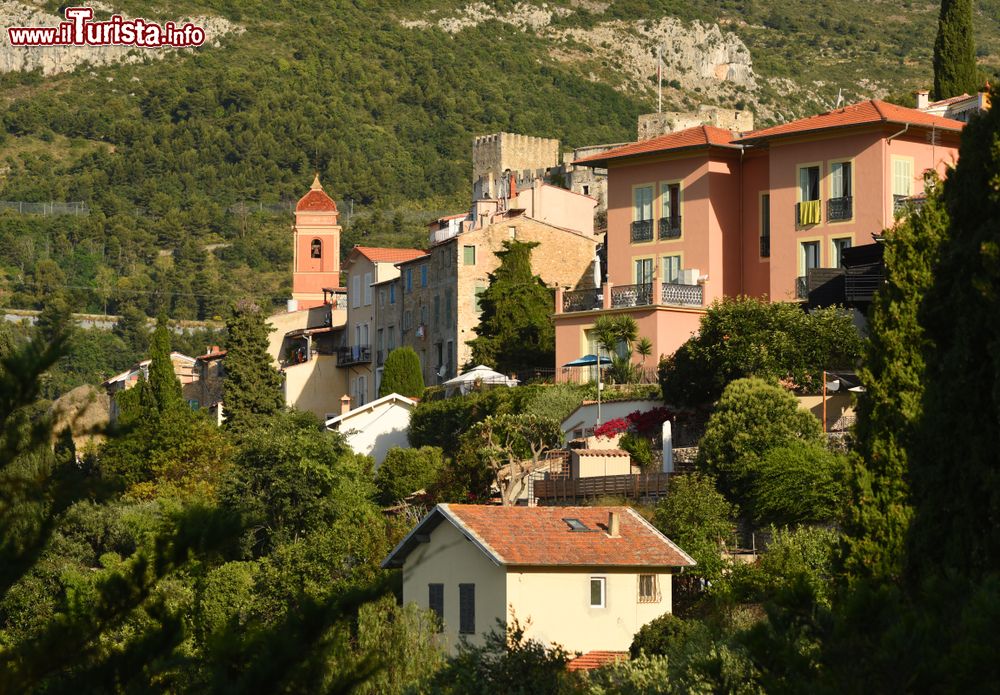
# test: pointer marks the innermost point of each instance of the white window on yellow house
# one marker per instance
(597, 592)
(649, 591)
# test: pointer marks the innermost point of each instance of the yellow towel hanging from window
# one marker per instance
(809, 212)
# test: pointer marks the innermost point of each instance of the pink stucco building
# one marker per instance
(705, 213)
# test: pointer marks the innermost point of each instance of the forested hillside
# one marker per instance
(382, 98)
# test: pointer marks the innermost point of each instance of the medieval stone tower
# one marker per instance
(316, 261)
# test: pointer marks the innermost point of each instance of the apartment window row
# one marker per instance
(648, 590)
(647, 226)
(840, 203)
(810, 253)
(670, 269)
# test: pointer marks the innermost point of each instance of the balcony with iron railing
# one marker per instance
(631, 295)
(801, 287)
(642, 230)
(582, 300)
(808, 213)
(681, 295)
(354, 354)
(669, 227)
(765, 247)
(838, 209)
(901, 204)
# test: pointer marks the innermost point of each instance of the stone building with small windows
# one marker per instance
(433, 306)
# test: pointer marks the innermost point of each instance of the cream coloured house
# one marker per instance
(375, 427)
(585, 578)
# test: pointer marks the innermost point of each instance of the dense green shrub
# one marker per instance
(402, 374)
(404, 471)
(746, 337)
(660, 636)
(798, 483)
(695, 516)
(751, 418)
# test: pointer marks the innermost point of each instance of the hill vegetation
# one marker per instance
(162, 150)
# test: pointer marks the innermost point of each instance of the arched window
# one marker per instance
(316, 249)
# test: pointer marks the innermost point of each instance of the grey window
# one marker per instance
(435, 602)
(467, 609)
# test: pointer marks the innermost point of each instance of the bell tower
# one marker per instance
(316, 258)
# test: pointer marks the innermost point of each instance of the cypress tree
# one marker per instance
(515, 331)
(252, 387)
(955, 463)
(402, 374)
(163, 382)
(955, 69)
(893, 375)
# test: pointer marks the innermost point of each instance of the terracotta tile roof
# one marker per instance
(595, 659)
(871, 112)
(540, 536)
(316, 200)
(699, 136)
(377, 254)
(212, 355)
(601, 452)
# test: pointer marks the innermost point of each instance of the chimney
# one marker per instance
(614, 524)
(345, 404)
(923, 98)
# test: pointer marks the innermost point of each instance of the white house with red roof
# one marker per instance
(584, 578)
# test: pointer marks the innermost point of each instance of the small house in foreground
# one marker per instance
(585, 578)
(374, 428)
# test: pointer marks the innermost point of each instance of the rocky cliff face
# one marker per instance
(52, 60)
(700, 57)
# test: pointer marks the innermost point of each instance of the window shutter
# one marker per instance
(837, 181)
(435, 602)
(467, 609)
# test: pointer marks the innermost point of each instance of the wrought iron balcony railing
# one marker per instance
(801, 287)
(670, 227)
(631, 295)
(354, 354)
(642, 230)
(581, 300)
(840, 208)
(681, 295)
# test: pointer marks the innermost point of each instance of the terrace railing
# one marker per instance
(581, 300)
(681, 295)
(631, 295)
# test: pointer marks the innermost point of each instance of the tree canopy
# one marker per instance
(252, 389)
(955, 70)
(747, 337)
(514, 331)
(402, 374)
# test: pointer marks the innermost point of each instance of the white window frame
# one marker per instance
(603, 581)
(642, 210)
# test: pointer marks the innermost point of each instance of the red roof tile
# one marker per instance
(601, 452)
(595, 659)
(699, 136)
(385, 255)
(540, 536)
(316, 200)
(871, 112)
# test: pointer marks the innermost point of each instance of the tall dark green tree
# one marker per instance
(402, 374)
(955, 460)
(893, 374)
(515, 331)
(955, 69)
(252, 386)
(163, 382)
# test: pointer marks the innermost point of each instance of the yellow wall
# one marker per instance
(837, 405)
(592, 466)
(316, 385)
(450, 559)
(557, 603)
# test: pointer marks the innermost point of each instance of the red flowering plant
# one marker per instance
(609, 429)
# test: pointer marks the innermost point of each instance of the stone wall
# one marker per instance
(562, 257)
(652, 125)
(526, 156)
